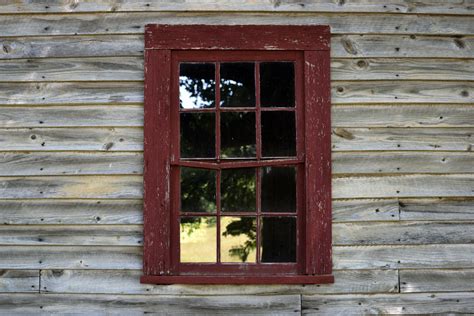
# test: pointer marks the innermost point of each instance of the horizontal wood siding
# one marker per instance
(71, 158)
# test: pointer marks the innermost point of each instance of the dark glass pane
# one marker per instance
(198, 239)
(279, 189)
(237, 134)
(277, 84)
(198, 135)
(238, 190)
(196, 86)
(278, 241)
(238, 239)
(237, 84)
(198, 190)
(278, 134)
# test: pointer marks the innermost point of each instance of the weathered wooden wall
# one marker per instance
(71, 115)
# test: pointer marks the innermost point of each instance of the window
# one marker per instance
(237, 155)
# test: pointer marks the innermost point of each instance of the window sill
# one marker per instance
(235, 279)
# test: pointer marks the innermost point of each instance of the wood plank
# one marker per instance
(74, 116)
(134, 22)
(403, 186)
(395, 6)
(351, 46)
(68, 257)
(131, 69)
(402, 233)
(71, 93)
(455, 256)
(153, 304)
(442, 115)
(127, 282)
(437, 209)
(67, 212)
(97, 139)
(412, 281)
(439, 115)
(428, 139)
(19, 281)
(69, 163)
(126, 187)
(365, 210)
(402, 162)
(389, 304)
(58, 235)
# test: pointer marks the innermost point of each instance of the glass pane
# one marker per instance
(196, 86)
(278, 241)
(238, 239)
(278, 134)
(237, 134)
(198, 239)
(198, 190)
(277, 84)
(238, 190)
(197, 135)
(237, 84)
(279, 189)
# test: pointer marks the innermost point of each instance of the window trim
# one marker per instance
(160, 42)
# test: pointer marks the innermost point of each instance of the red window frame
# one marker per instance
(308, 46)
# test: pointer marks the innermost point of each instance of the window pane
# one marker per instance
(237, 134)
(197, 135)
(278, 241)
(238, 239)
(196, 86)
(198, 190)
(238, 190)
(278, 134)
(198, 239)
(237, 84)
(279, 189)
(277, 84)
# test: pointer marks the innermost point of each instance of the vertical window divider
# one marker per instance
(259, 157)
(218, 156)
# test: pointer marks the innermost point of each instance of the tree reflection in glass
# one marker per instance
(196, 85)
(198, 239)
(238, 239)
(238, 135)
(198, 190)
(197, 139)
(238, 190)
(237, 85)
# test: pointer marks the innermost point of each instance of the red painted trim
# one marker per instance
(156, 259)
(232, 279)
(318, 162)
(243, 37)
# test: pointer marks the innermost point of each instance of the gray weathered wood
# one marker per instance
(342, 46)
(389, 304)
(394, 6)
(444, 115)
(53, 235)
(127, 282)
(403, 233)
(436, 280)
(19, 281)
(365, 210)
(428, 139)
(402, 256)
(131, 69)
(69, 163)
(72, 187)
(404, 186)
(134, 22)
(79, 212)
(437, 209)
(97, 139)
(57, 304)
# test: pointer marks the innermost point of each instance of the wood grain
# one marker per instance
(131, 69)
(412, 281)
(395, 6)
(426, 303)
(437, 209)
(19, 281)
(126, 282)
(347, 46)
(134, 22)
